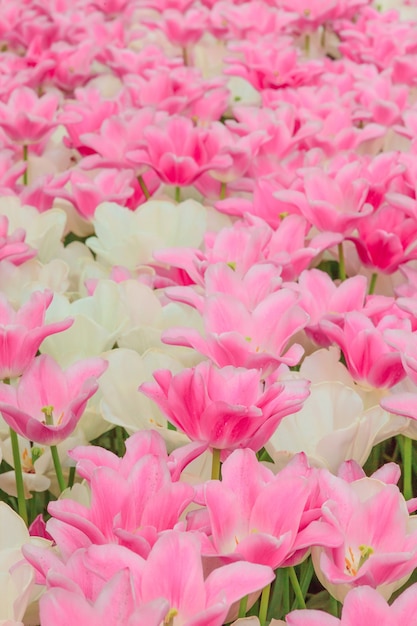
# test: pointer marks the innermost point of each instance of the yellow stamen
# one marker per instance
(349, 563)
(366, 552)
(353, 567)
(169, 617)
(27, 465)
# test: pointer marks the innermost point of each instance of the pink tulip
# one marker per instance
(179, 90)
(194, 599)
(335, 204)
(164, 5)
(382, 101)
(379, 545)
(26, 118)
(10, 172)
(22, 332)
(179, 152)
(13, 247)
(95, 585)
(240, 246)
(404, 69)
(17, 71)
(292, 247)
(243, 338)
(387, 173)
(126, 63)
(117, 136)
(109, 185)
(369, 357)
(181, 28)
(376, 39)
(251, 288)
(279, 132)
(72, 65)
(132, 501)
(348, 296)
(110, 8)
(263, 205)
(85, 115)
(338, 133)
(363, 606)
(47, 403)
(224, 408)
(350, 471)
(113, 606)
(38, 528)
(241, 522)
(247, 21)
(241, 150)
(386, 239)
(89, 458)
(111, 583)
(159, 90)
(309, 17)
(401, 401)
(271, 63)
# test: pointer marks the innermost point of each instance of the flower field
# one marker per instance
(208, 312)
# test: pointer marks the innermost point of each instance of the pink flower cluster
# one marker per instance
(208, 228)
(133, 542)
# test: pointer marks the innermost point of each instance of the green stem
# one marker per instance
(407, 452)
(120, 442)
(334, 606)
(58, 468)
(263, 608)
(297, 589)
(342, 268)
(223, 190)
(307, 44)
(49, 420)
(32, 507)
(215, 465)
(25, 158)
(307, 571)
(144, 188)
(306, 575)
(372, 283)
(71, 477)
(323, 36)
(275, 601)
(374, 460)
(178, 194)
(21, 502)
(285, 592)
(185, 56)
(243, 606)
(394, 457)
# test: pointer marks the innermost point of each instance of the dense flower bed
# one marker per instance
(208, 301)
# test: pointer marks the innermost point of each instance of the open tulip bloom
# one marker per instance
(225, 408)
(22, 332)
(48, 402)
(208, 312)
(363, 606)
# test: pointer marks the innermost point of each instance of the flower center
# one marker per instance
(49, 416)
(169, 617)
(48, 411)
(28, 460)
(354, 561)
